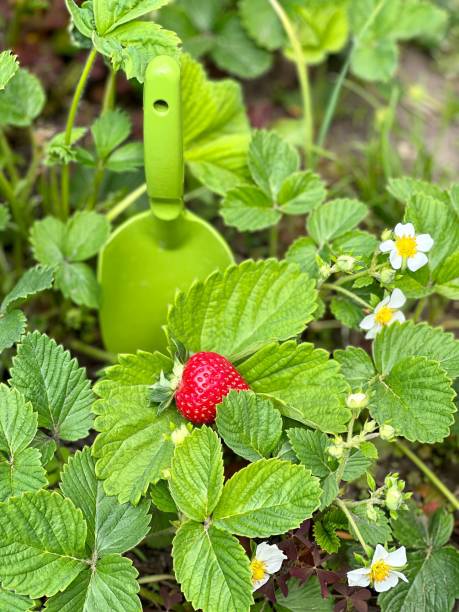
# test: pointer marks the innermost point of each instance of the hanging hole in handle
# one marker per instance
(161, 106)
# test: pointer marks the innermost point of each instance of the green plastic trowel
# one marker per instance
(164, 249)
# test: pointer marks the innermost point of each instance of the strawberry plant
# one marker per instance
(291, 446)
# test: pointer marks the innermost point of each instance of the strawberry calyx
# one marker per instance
(162, 392)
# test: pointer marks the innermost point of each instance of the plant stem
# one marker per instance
(273, 240)
(149, 596)
(69, 127)
(334, 97)
(9, 158)
(347, 293)
(419, 309)
(351, 277)
(428, 472)
(93, 351)
(353, 524)
(96, 183)
(156, 578)
(126, 202)
(303, 78)
(110, 91)
(6, 188)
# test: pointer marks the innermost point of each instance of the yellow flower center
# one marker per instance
(406, 246)
(258, 569)
(379, 571)
(384, 315)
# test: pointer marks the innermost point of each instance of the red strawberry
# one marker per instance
(206, 379)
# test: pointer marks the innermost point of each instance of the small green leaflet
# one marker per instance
(20, 465)
(249, 425)
(22, 99)
(212, 569)
(307, 384)
(43, 538)
(65, 246)
(262, 24)
(311, 449)
(12, 602)
(227, 315)
(196, 481)
(303, 251)
(267, 497)
(248, 208)
(57, 152)
(109, 131)
(56, 386)
(301, 597)
(373, 532)
(356, 366)
(334, 219)
(162, 498)
(109, 14)
(8, 67)
(112, 527)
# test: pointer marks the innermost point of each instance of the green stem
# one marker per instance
(110, 91)
(9, 158)
(334, 97)
(155, 578)
(303, 78)
(126, 202)
(54, 189)
(93, 351)
(419, 309)
(69, 127)
(96, 183)
(6, 188)
(352, 277)
(346, 453)
(348, 294)
(149, 596)
(273, 240)
(34, 167)
(353, 524)
(428, 472)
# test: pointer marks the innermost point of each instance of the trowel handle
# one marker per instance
(162, 134)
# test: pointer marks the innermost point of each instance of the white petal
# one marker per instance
(271, 555)
(367, 322)
(388, 583)
(257, 584)
(404, 229)
(359, 577)
(384, 302)
(387, 246)
(397, 299)
(397, 316)
(424, 242)
(417, 261)
(400, 575)
(397, 558)
(372, 333)
(395, 260)
(380, 553)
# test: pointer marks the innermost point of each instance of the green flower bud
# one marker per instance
(357, 400)
(386, 432)
(369, 426)
(387, 276)
(179, 435)
(394, 498)
(345, 263)
(371, 512)
(337, 448)
(386, 235)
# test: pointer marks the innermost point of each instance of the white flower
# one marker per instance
(381, 573)
(357, 400)
(267, 560)
(407, 247)
(385, 313)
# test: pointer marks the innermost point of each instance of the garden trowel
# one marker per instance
(156, 252)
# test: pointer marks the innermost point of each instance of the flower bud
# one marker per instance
(371, 512)
(387, 276)
(325, 270)
(345, 263)
(386, 235)
(369, 426)
(357, 400)
(386, 432)
(337, 448)
(166, 473)
(394, 498)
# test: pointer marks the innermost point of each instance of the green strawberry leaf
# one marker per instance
(78, 283)
(271, 162)
(249, 425)
(9, 65)
(266, 498)
(375, 59)
(356, 366)
(301, 192)
(373, 532)
(303, 596)
(416, 397)
(334, 219)
(196, 479)
(226, 315)
(85, 233)
(56, 386)
(109, 14)
(248, 208)
(306, 383)
(262, 24)
(12, 328)
(22, 99)
(162, 498)
(33, 281)
(396, 342)
(303, 251)
(403, 188)
(447, 277)
(212, 569)
(20, 466)
(347, 312)
(234, 51)
(12, 602)
(311, 449)
(112, 527)
(43, 538)
(109, 585)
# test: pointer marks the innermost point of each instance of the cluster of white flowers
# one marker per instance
(407, 250)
